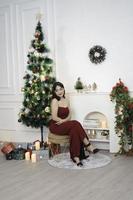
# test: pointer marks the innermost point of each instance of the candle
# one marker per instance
(93, 133)
(33, 158)
(103, 123)
(37, 145)
(27, 156)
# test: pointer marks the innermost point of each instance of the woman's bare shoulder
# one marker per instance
(54, 101)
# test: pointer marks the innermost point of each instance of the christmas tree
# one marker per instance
(38, 83)
(79, 84)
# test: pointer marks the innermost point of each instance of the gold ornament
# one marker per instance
(42, 77)
(47, 109)
(22, 89)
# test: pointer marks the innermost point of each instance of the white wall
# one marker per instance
(71, 28)
(79, 25)
(17, 22)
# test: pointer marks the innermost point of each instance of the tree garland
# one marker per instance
(97, 54)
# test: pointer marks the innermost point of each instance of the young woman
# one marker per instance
(61, 123)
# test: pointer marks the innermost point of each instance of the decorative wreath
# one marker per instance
(97, 54)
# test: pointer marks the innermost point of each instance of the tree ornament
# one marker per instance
(47, 109)
(22, 89)
(37, 34)
(42, 78)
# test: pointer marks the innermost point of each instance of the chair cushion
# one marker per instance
(58, 139)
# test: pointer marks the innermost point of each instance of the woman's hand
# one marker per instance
(60, 121)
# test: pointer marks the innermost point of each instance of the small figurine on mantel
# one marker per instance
(94, 86)
(79, 85)
(85, 89)
(89, 87)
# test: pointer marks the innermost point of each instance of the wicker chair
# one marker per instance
(57, 144)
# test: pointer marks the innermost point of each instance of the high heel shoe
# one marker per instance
(83, 153)
(84, 157)
(90, 148)
(79, 163)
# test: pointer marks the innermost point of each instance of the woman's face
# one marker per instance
(59, 91)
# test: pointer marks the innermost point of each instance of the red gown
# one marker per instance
(72, 128)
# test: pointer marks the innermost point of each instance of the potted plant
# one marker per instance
(123, 115)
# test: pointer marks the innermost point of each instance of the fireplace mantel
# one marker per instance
(84, 103)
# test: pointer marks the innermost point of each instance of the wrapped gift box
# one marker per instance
(41, 154)
(19, 154)
(7, 148)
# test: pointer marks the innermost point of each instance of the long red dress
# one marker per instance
(72, 128)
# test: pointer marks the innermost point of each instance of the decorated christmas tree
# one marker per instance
(38, 83)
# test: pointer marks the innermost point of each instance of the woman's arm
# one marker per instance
(54, 110)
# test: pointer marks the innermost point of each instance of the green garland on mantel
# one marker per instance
(123, 116)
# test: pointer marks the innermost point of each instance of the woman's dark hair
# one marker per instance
(54, 88)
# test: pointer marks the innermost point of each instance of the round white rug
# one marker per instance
(93, 161)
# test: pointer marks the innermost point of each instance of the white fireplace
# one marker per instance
(82, 104)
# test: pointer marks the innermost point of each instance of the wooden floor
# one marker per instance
(21, 180)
